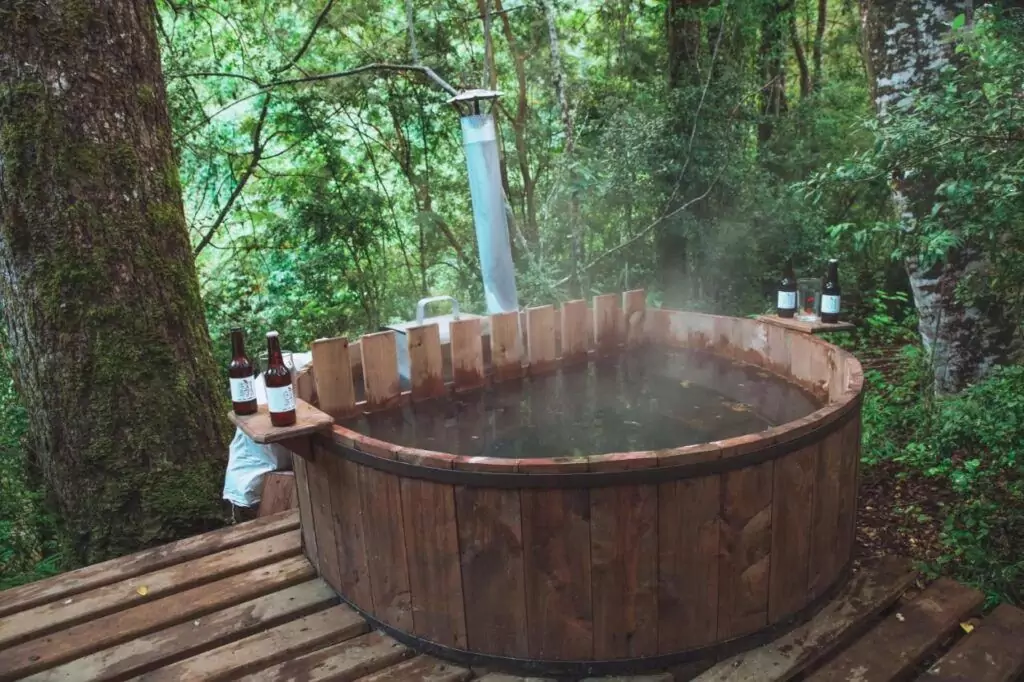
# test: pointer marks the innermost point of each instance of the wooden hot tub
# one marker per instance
(596, 564)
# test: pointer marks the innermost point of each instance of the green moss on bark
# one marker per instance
(102, 301)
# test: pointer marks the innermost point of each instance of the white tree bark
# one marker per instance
(906, 47)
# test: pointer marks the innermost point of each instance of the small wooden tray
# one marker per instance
(807, 327)
(308, 420)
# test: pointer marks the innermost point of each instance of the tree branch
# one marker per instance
(309, 38)
(394, 68)
(257, 152)
(644, 232)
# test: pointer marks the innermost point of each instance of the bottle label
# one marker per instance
(787, 300)
(280, 398)
(242, 390)
(829, 303)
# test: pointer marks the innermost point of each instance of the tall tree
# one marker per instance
(907, 45)
(99, 290)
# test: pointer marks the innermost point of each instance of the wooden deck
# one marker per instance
(243, 603)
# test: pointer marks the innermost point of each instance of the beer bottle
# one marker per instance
(786, 304)
(240, 374)
(830, 294)
(278, 379)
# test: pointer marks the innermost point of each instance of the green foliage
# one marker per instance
(28, 532)
(954, 154)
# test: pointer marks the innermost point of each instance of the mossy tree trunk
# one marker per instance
(906, 44)
(98, 285)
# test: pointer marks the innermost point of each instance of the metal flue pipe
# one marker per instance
(480, 141)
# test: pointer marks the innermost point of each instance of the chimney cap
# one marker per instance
(474, 95)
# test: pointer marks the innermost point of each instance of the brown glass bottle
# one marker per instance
(278, 379)
(240, 374)
(785, 305)
(830, 293)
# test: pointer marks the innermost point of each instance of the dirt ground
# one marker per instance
(900, 513)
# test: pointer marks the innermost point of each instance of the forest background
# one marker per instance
(687, 147)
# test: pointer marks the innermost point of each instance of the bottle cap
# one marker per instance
(271, 334)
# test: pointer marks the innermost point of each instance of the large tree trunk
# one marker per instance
(906, 48)
(99, 290)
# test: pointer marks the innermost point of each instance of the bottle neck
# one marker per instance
(833, 273)
(274, 356)
(237, 344)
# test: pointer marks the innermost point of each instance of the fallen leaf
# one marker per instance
(142, 590)
(899, 617)
(68, 601)
(967, 627)
(684, 384)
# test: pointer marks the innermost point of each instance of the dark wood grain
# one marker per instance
(491, 554)
(506, 347)
(432, 549)
(556, 550)
(792, 503)
(383, 531)
(991, 653)
(689, 516)
(624, 555)
(825, 562)
(893, 649)
(305, 511)
(745, 550)
(426, 364)
(319, 477)
(346, 505)
(467, 354)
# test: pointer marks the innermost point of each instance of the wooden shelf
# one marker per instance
(807, 327)
(308, 420)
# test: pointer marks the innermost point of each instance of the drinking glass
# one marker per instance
(808, 300)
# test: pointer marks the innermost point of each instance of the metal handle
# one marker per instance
(421, 307)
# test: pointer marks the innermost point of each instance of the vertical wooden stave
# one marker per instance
(556, 558)
(825, 564)
(319, 480)
(792, 507)
(333, 377)
(634, 310)
(745, 559)
(540, 332)
(689, 536)
(380, 371)
(624, 571)
(608, 323)
(384, 533)
(848, 486)
(493, 579)
(506, 347)
(575, 331)
(426, 364)
(308, 530)
(432, 547)
(349, 532)
(467, 354)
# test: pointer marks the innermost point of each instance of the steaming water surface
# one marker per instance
(638, 402)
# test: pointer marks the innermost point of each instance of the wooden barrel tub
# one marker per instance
(599, 564)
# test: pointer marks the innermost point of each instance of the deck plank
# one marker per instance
(869, 592)
(99, 575)
(900, 642)
(195, 636)
(266, 648)
(991, 653)
(342, 662)
(420, 669)
(140, 589)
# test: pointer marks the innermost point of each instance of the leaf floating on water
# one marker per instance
(684, 384)
(736, 407)
(631, 423)
(142, 590)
